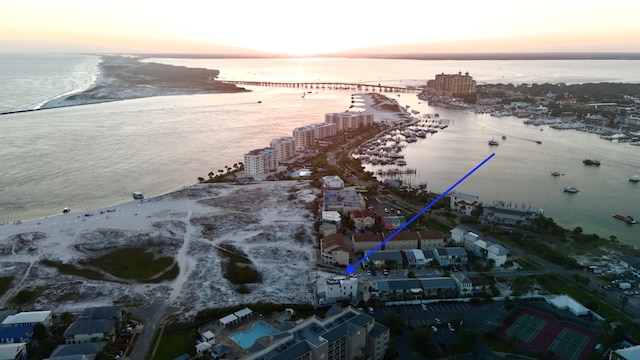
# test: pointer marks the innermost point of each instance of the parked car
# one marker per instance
(438, 321)
(451, 328)
(434, 329)
(424, 307)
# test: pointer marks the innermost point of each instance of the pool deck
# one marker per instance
(223, 333)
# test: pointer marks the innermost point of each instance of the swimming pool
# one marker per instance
(248, 338)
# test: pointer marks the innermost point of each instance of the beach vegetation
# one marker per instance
(135, 263)
(238, 268)
(5, 283)
(24, 297)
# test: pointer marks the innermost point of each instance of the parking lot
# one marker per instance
(483, 318)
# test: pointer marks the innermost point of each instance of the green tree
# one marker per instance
(421, 337)
(577, 230)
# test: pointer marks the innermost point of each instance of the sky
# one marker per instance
(304, 28)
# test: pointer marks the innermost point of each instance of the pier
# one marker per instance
(328, 86)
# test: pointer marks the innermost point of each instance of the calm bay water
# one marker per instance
(91, 156)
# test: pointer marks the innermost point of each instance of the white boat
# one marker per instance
(493, 143)
(571, 189)
(635, 178)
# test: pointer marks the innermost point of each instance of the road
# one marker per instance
(152, 317)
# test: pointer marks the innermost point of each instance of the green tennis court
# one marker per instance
(569, 344)
(526, 327)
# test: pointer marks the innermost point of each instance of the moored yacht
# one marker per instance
(492, 142)
(571, 189)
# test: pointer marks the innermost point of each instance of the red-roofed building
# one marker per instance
(363, 219)
(463, 203)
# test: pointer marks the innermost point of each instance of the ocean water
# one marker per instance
(96, 155)
(27, 81)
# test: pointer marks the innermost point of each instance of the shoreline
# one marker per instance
(126, 78)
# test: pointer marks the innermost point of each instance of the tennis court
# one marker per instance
(569, 344)
(526, 327)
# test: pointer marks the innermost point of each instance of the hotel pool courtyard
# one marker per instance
(247, 338)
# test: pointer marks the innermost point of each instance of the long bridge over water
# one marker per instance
(328, 85)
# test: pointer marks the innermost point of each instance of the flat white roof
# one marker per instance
(228, 319)
(8, 351)
(242, 313)
(27, 317)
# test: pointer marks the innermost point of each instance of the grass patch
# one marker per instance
(176, 344)
(74, 270)
(238, 268)
(133, 264)
(5, 284)
(130, 264)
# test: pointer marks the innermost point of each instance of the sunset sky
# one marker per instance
(302, 28)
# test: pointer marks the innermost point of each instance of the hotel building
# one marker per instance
(455, 84)
(349, 120)
(306, 136)
(285, 148)
(260, 163)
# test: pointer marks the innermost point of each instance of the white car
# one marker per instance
(424, 307)
(451, 328)
(434, 329)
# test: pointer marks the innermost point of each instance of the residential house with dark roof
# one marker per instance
(480, 284)
(16, 334)
(450, 255)
(439, 287)
(86, 330)
(385, 259)
(630, 262)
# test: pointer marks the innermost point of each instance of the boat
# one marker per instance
(493, 143)
(555, 173)
(504, 137)
(591, 162)
(571, 189)
(538, 142)
(635, 178)
(66, 210)
(628, 219)
(137, 195)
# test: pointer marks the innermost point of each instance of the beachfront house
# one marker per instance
(29, 318)
(505, 214)
(85, 330)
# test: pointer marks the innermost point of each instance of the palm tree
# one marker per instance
(623, 302)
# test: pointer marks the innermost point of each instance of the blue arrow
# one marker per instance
(352, 268)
